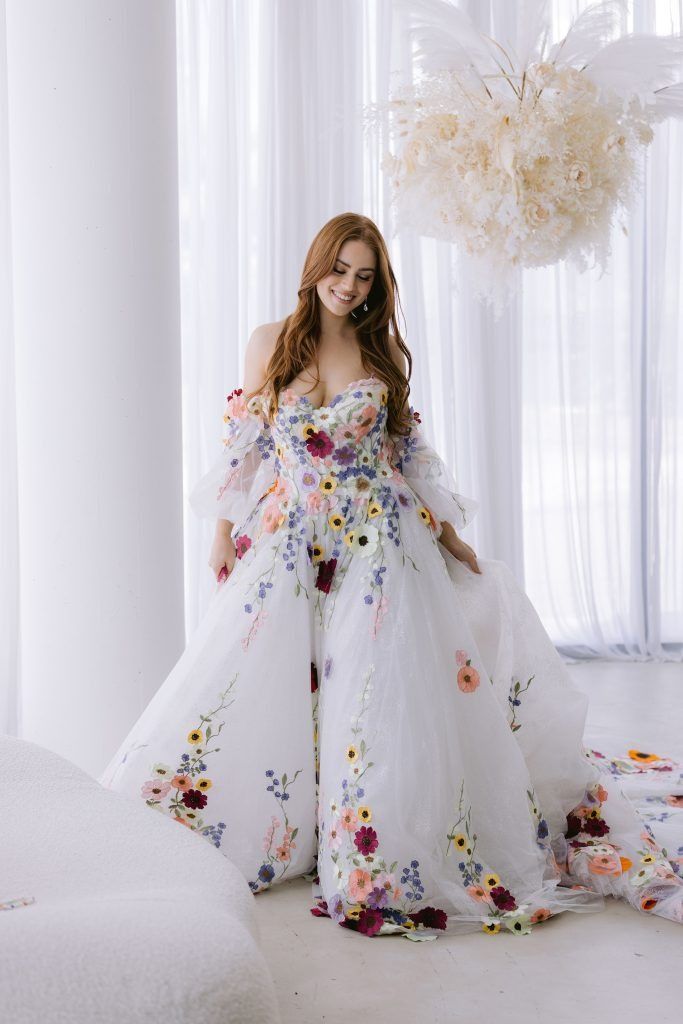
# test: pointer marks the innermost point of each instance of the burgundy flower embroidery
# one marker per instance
(319, 444)
(366, 840)
(194, 799)
(370, 922)
(323, 580)
(503, 898)
(430, 917)
(314, 677)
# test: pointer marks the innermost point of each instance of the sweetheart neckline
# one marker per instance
(335, 398)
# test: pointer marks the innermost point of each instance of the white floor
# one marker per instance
(616, 967)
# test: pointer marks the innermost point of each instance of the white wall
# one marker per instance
(93, 165)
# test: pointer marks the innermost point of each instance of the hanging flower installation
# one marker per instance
(523, 157)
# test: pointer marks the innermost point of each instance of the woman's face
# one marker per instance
(351, 279)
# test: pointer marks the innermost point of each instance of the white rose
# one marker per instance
(536, 213)
(579, 175)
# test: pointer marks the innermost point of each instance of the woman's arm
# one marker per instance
(257, 356)
(448, 536)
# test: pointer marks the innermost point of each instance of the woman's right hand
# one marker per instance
(223, 554)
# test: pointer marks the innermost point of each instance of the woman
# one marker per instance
(361, 700)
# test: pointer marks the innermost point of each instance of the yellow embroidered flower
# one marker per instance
(460, 840)
(204, 784)
(374, 509)
(491, 880)
(426, 516)
(364, 814)
(351, 753)
(383, 397)
(647, 859)
(490, 927)
(353, 913)
(328, 484)
(638, 755)
(317, 552)
(196, 736)
(308, 429)
(279, 450)
(349, 538)
(336, 521)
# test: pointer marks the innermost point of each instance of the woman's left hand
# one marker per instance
(457, 547)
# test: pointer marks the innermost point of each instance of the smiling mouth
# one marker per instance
(342, 298)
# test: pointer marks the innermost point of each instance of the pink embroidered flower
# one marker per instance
(674, 799)
(236, 406)
(272, 516)
(542, 914)
(478, 893)
(349, 819)
(604, 864)
(461, 657)
(334, 836)
(270, 832)
(364, 422)
(282, 853)
(360, 884)
(156, 789)
(181, 782)
(468, 679)
(242, 544)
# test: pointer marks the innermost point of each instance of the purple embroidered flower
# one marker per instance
(266, 872)
(378, 898)
(336, 909)
(345, 455)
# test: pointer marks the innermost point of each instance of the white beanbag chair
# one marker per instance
(110, 912)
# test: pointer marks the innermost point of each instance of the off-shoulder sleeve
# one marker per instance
(245, 468)
(429, 476)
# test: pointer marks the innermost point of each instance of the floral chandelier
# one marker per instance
(523, 158)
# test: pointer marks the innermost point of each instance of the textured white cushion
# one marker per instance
(135, 917)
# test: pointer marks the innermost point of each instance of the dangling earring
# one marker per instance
(365, 307)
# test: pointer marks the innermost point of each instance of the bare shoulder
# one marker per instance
(263, 338)
(260, 348)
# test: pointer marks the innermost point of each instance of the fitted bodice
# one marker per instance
(338, 448)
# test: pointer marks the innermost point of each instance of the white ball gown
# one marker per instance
(359, 707)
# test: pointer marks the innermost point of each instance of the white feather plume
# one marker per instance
(637, 64)
(589, 33)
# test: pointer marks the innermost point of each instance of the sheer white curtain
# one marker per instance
(560, 418)
(9, 526)
(603, 421)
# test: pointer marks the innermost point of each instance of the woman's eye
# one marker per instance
(360, 278)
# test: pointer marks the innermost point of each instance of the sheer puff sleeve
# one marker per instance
(246, 467)
(429, 477)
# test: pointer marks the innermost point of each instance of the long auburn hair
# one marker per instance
(297, 343)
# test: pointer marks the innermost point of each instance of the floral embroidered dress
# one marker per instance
(357, 706)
